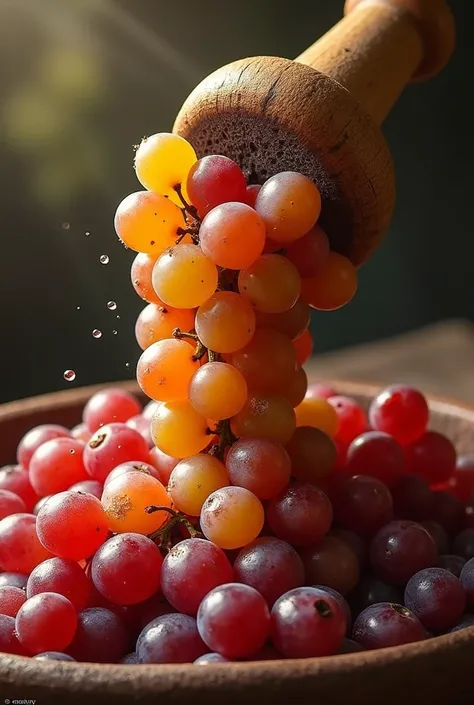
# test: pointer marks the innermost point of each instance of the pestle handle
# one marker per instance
(381, 45)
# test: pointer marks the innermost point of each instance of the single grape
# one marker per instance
(437, 598)
(211, 658)
(183, 277)
(467, 580)
(400, 411)
(269, 417)
(213, 180)
(291, 323)
(100, 636)
(14, 579)
(10, 503)
(370, 591)
(62, 576)
(33, 439)
(464, 478)
(301, 514)
(140, 273)
(53, 656)
(356, 542)
(72, 525)
(318, 413)
(386, 624)
(80, 433)
(178, 430)
(191, 569)
(46, 622)
(270, 566)
(232, 235)
(145, 468)
(164, 464)
(463, 544)
(312, 454)
(259, 465)
(9, 643)
(93, 487)
(378, 455)
(296, 387)
(109, 405)
(331, 562)
(125, 501)
(56, 465)
(289, 204)
(11, 599)
(129, 659)
(162, 162)
(172, 638)
(333, 286)
(309, 253)
(157, 322)
(452, 563)
(234, 620)
(412, 498)
(225, 322)
(20, 548)
(431, 456)
(193, 480)
(363, 505)
(165, 369)
(271, 282)
(232, 517)
(438, 534)
(400, 549)
(111, 445)
(351, 417)
(448, 511)
(148, 222)
(303, 345)
(207, 386)
(307, 622)
(126, 569)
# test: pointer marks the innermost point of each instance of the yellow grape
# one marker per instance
(178, 430)
(291, 323)
(270, 417)
(232, 517)
(193, 480)
(164, 370)
(157, 322)
(163, 161)
(148, 223)
(125, 499)
(225, 322)
(140, 273)
(268, 362)
(272, 283)
(217, 391)
(183, 277)
(319, 413)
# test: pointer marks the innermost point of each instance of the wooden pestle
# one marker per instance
(320, 114)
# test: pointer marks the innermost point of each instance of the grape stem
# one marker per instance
(188, 208)
(201, 349)
(164, 532)
(226, 439)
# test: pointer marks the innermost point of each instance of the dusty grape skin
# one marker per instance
(9, 643)
(100, 636)
(53, 656)
(401, 549)
(307, 622)
(93, 487)
(130, 659)
(463, 544)
(363, 505)
(453, 563)
(249, 458)
(211, 658)
(412, 498)
(36, 437)
(10, 503)
(467, 580)
(20, 548)
(112, 445)
(377, 455)
(172, 638)
(14, 579)
(234, 620)
(16, 479)
(331, 562)
(56, 465)
(46, 622)
(437, 598)
(300, 515)
(11, 599)
(370, 590)
(271, 566)
(191, 569)
(126, 569)
(387, 624)
(110, 405)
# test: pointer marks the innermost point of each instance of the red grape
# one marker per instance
(16, 479)
(142, 425)
(259, 465)
(448, 511)
(80, 433)
(100, 636)
(171, 638)
(64, 577)
(211, 658)
(331, 562)
(145, 468)
(387, 624)
(300, 515)
(309, 254)
(454, 564)
(437, 598)
(46, 622)
(112, 445)
(11, 599)
(412, 498)
(20, 548)
(401, 549)
(93, 487)
(362, 504)
(9, 643)
(320, 390)
(14, 579)
(464, 478)
(432, 456)
(438, 534)
(312, 454)
(10, 503)
(53, 656)
(463, 544)
(164, 464)
(109, 405)
(351, 416)
(400, 411)
(370, 591)
(56, 465)
(213, 180)
(36, 437)
(378, 455)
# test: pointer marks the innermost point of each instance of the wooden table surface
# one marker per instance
(439, 359)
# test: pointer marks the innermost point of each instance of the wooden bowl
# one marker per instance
(434, 672)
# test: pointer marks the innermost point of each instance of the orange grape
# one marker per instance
(225, 322)
(157, 322)
(217, 391)
(193, 480)
(147, 222)
(268, 362)
(312, 454)
(318, 413)
(164, 370)
(125, 499)
(289, 204)
(178, 430)
(296, 388)
(292, 322)
(259, 465)
(140, 272)
(303, 346)
(272, 284)
(310, 253)
(232, 517)
(162, 162)
(333, 287)
(232, 235)
(270, 417)
(183, 277)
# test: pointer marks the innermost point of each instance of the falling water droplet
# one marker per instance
(104, 259)
(78, 308)
(66, 226)
(118, 317)
(69, 375)
(87, 233)
(127, 365)
(114, 332)
(111, 305)
(96, 333)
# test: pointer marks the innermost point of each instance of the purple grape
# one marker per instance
(387, 624)
(438, 534)
(341, 601)
(14, 580)
(211, 658)
(130, 659)
(53, 656)
(101, 636)
(463, 544)
(448, 511)
(172, 638)
(271, 566)
(349, 646)
(399, 550)
(467, 579)
(437, 598)
(466, 621)
(412, 498)
(370, 591)
(452, 563)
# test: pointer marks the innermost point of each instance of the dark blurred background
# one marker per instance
(81, 81)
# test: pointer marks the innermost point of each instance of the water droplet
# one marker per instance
(127, 365)
(78, 308)
(118, 317)
(104, 259)
(66, 226)
(87, 233)
(111, 305)
(96, 333)
(69, 375)
(114, 332)
(72, 451)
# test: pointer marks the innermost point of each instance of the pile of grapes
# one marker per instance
(241, 515)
